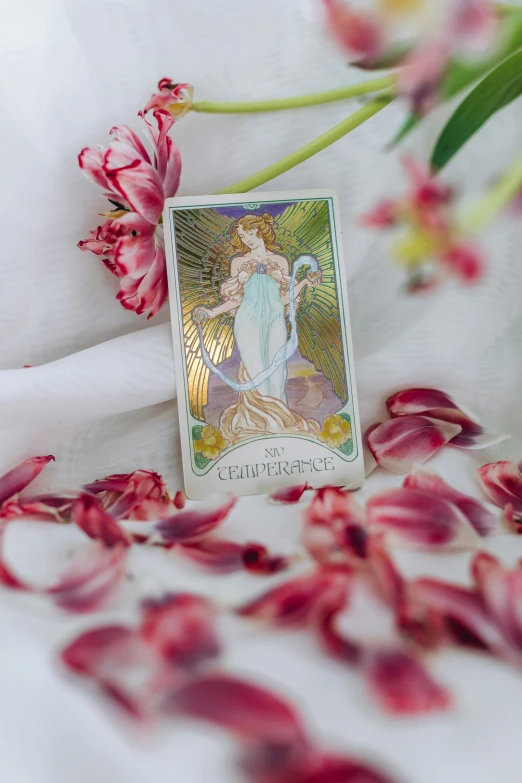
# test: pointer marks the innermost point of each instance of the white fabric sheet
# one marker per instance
(99, 394)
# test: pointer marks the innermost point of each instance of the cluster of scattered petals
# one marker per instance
(430, 246)
(423, 421)
(130, 243)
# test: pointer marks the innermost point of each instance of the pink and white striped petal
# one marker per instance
(18, 478)
(420, 519)
(399, 444)
(501, 591)
(90, 516)
(483, 520)
(291, 494)
(299, 601)
(502, 483)
(248, 711)
(438, 405)
(334, 527)
(466, 619)
(401, 683)
(138, 182)
(189, 526)
(91, 578)
(181, 628)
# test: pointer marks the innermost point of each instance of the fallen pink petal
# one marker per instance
(289, 494)
(420, 518)
(466, 619)
(483, 520)
(439, 405)
(91, 578)
(298, 601)
(501, 591)
(334, 527)
(402, 684)
(88, 513)
(18, 478)
(188, 526)
(239, 706)
(502, 483)
(180, 627)
(213, 554)
(399, 444)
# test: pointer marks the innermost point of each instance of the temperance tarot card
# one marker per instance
(262, 343)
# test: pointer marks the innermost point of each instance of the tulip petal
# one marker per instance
(247, 710)
(90, 579)
(88, 513)
(410, 402)
(214, 555)
(91, 163)
(289, 494)
(340, 770)
(467, 622)
(334, 525)
(258, 560)
(189, 526)
(138, 182)
(419, 518)
(18, 478)
(472, 435)
(126, 135)
(388, 580)
(87, 652)
(401, 683)
(338, 646)
(400, 443)
(358, 33)
(501, 591)
(180, 627)
(478, 515)
(439, 405)
(299, 600)
(502, 483)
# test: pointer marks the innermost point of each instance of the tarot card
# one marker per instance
(262, 345)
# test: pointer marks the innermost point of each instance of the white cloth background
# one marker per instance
(99, 393)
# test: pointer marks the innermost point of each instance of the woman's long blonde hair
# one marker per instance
(265, 229)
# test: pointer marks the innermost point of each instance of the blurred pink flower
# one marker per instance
(171, 97)
(441, 29)
(131, 240)
(431, 233)
(359, 33)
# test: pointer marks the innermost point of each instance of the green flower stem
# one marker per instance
(494, 201)
(297, 102)
(313, 147)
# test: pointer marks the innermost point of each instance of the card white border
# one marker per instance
(190, 479)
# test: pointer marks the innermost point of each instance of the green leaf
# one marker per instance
(197, 429)
(496, 91)
(200, 461)
(461, 74)
(347, 448)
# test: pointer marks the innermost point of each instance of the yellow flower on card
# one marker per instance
(211, 443)
(335, 432)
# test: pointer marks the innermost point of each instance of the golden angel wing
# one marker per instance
(203, 253)
(305, 228)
